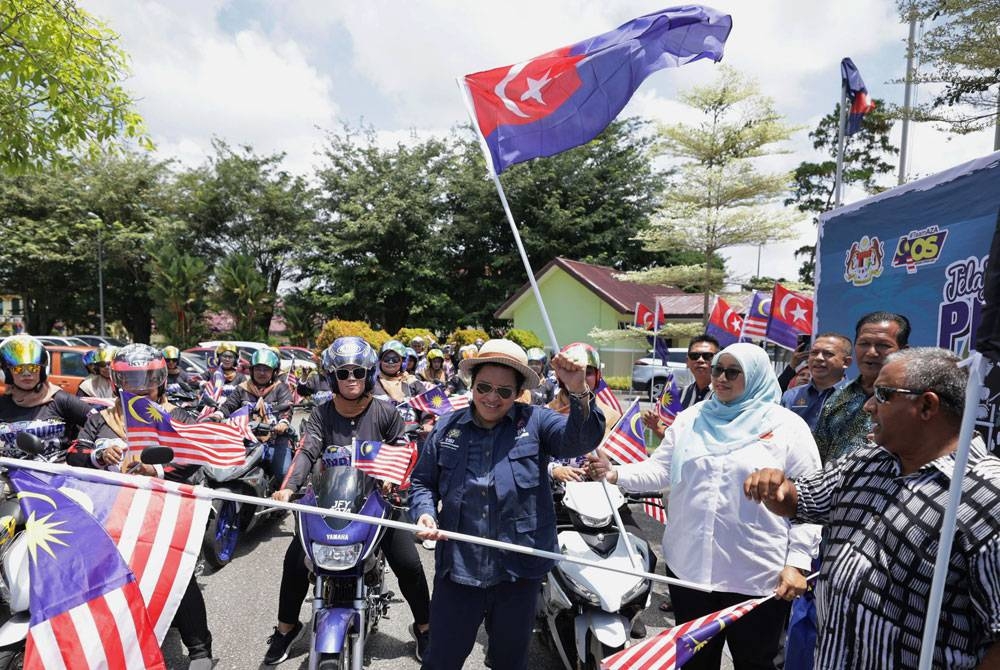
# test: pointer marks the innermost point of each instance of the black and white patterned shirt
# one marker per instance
(881, 540)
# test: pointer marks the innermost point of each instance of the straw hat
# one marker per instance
(502, 352)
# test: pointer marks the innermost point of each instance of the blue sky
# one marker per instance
(275, 74)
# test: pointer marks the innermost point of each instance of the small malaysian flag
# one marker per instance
(669, 404)
(216, 444)
(383, 460)
(627, 444)
(755, 322)
(675, 646)
(436, 402)
(604, 393)
(213, 395)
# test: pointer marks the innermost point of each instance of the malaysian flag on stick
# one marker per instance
(121, 566)
(604, 393)
(627, 444)
(436, 402)
(675, 646)
(382, 460)
(213, 395)
(217, 444)
(755, 322)
(669, 404)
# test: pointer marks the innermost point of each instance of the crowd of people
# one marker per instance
(767, 479)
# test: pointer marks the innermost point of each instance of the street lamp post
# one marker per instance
(100, 269)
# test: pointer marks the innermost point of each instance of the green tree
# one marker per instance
(60, 90)
(243, 292)
(301, 322)
(961, 50)
(246, 204)
(718, 198)
(867, 156)
(587, 204)
(177, 288)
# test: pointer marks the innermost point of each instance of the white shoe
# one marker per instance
(429, 544)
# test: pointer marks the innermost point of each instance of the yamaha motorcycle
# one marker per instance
(346, 559)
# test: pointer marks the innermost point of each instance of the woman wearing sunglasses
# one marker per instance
(45, 409)
(714, 535)
(486, 467)
(353, 414)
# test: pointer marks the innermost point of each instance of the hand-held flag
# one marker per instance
(675, 646)
(755, 321)
(724, 324)
(791, 316)
(669, 405)
(435, 401)
(857, 96)
(382, 460)
(604, 393)
(149, 425)
(566, 97)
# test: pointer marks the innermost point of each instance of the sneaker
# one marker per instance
(429, 544)
(422, 639)
(278, 644)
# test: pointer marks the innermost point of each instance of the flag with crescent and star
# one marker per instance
(215, 444)
(643, 317)
(857, 96)
(382, 460)
(725, 324)
(566, 97)
(86, 607)
(669, 404)
(435, 401)
(791, 316)
(755, 321)
(627, 444)
(675, 646)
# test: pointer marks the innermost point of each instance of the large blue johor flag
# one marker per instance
(566, 97)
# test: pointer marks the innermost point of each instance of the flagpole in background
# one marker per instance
(467, 100)
(907, 95)
(976, 364)
(841, 141)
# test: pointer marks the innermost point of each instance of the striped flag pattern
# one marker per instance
(755, 322)
(212, 392)
(125, 566)
(382, 460)
(669, 404)
(215, 444)
(627, 444)
(437, 403)
(604, 393)
(675, 646)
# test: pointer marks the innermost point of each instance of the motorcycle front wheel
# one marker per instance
(221, 534)
(12, 657)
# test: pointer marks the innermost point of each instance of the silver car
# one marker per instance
(650, 374)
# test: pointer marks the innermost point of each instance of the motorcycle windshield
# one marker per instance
(344, 489)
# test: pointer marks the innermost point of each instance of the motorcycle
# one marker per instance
(588, 612)
(350, 595)
(15, 579)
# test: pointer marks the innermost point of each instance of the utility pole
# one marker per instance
(907, 94)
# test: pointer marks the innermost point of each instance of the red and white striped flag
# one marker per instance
(755, 322)
(604, 393)
(383, 460)
(675, 646)
(627, 444)
(216, 444)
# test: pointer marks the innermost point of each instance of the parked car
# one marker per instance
(203, 354)
(300, 357)
(66, 368)
(99, 340)
(650, 374)
(61, 341)
(193, 366)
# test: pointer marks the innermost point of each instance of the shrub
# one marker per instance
(406, 335)
(619, 383)
(463, 336)
(526, 338)
(336, 328)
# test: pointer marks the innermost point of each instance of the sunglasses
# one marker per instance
(171, 360)
(883, 394)
(102, 364)
(26, 369)
(344, 374)
(392, 360)
(227, 357)
(706, 356)
(729, 373)
(484, 388)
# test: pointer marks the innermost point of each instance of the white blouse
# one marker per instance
(714, 535)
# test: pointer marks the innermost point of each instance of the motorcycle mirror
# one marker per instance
(31, 444)
(156, 455)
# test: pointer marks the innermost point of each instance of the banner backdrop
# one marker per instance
(920, 250)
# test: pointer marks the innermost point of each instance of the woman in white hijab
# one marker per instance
(714, 535)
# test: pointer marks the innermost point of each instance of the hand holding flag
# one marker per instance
(382, 460)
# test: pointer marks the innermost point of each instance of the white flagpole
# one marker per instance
(976, 364)
(629, 549)
(118, 479)
(510, 217)
(838, 183)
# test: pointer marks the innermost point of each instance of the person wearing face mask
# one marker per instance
(32, 402)
(141, 370)
(352, 414)
(98, 384)
(730, 543)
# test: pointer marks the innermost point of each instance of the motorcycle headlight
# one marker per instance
(336, 557)
(579, 589)
(640, 586)
(595, 522)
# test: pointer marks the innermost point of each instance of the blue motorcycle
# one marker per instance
(349, 592)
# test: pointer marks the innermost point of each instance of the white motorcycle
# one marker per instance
(15, 581)
(588, 612)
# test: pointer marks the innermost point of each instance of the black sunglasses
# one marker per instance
(703, 355)
(730, 373)
(344, 374)
(883, 394)
(485, 388)
(391, 360)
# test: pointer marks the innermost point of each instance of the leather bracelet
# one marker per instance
(580, 396)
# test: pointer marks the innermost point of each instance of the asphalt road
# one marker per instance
(242, 601)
